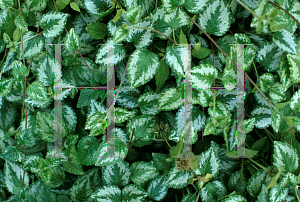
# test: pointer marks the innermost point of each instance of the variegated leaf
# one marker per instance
(215, 18)
(171, 99)
(294, 62)
(147, 6)
(32, 47)
(117, 174)
(284, 73)
(276, 92)
(178, 179)
(53, 23)
(203, 75)
(177, 18)
(133, 192)
(213, 191)
(222, 114)
(249, 125)
(295, 104)
(141, 171)
(120, 35)
(205, 96)
(122, 114)
(46, 71)
(209, 163)
(5, 86)
(97, 7)
(265, 80)
(196, 6)
(175, 56)
(72, 40)
(157, 188)
(6, 4)
(148, 103)
(133, 15)
(144, 127)
(128, 97)
(285, 40)
(21, 23)
(235, 183)
(37, 91)
(256, 181)
(96, 123)
(104, 193)
(262, 116)
(285, 155)
(142, 67)
(159, 23)
(235, 198)
(269, 56)
(241, 39)
(19, 71)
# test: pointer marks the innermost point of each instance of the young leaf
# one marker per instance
(133, 15)
(61, 4)
(74, 6)
(200, 52)
(120, 35)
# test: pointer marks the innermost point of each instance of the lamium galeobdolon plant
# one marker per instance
(150, 38)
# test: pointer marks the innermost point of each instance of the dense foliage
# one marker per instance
(150, 100)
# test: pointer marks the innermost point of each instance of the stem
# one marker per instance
(214, 107)
(232, 61)
(166, 140)
(270, 2)
(193, 173)
(248, 9)
(154, 30)
(29, 37)
(297, 193)
(259, 164)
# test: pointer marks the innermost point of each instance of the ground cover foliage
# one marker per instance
(149, 108)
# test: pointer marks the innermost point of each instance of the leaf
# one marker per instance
(133, 192)
(294, 62)
(142, 67)
(265, 80)
(117, 16)
(74, 6)
(32, 47)
(159, 24)
(196, 6)
(133, 15)
(277, 93)
(96, 7)
(248, 152)
(262, 117)
(148, 103)
(38, 191)
(176, 19)
(222, 114)
(259, 144)
(176, 150)
(46, 71)
(111, 192)
(53, 23)
(284, 73)
(5, 4)
(61, 4)
(215, 18)
(235, 183)
(44, 127)
(141, 171)
(175, 56)
(177, 179)
(213, 191)
(285, 156)
(285, 40)
(160, 162)
(144, 127)
(120, 35)
(19, 71)
(146, 6)
(72, 165)
(255, 182)
(86, 96)
(182, 38)
(235, 198)
(162, 74)
(203, 75)
(200, 52)
(21, 23)
(14, 177)
(96, 123)
(128, 97)
(72, 40)
(97, 30)
(295, 101)
(122, 115)
(37, 91)
(12, 154)
(249, 125)
(26, 137)
(36, 6)
(117, 174)
(209, 163)
(157, 189)
(171, 99)
(6, 86)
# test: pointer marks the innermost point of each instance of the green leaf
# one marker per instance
(32, 47)
(21, 23)
(235, 198)
(85, 185)
(117, 174)
(133, 192)
(111, 193)
(285, 156)
(209, 129)
(215, 18)
(5, 4)
(276, 92)
(157, 190)
(128, 97)
(88, 150)
(120, 35)
(117, 16)
(86, 96)
(37, 91)
(142, 67)
(96, 123)
(147, 6)
(141, 171)
(295, 101)
(53, 23)
(222, 114)
(6, 38)
(39, 192)
(182, 38)
(14, 177)
(248, 152)
(200, 52)
(12, 154)
(176, 19)
(177, 179)
(6, 86)
(265, 80)
(269, 56)
(44, 127)
(160, 162)
(209, 163)
(262, 117)
(196, 6)
(203, 75)
(256, 181)
(61, 4)
(26, 137)
(45, 72)
(97, 30)
(72, 40)
(37, 6)
(96, 7)
(148, 103)
(213, 191)
(249, 125)
(144, 127)
(72, 165)
(175, 56)
(162, 74)
(159, 24)
(284, 73)
(19, 71)
(294, 62)
(176, 150)
(75, 6)
(205, 96)
(235, 183)
(171, 99)
(259, 144)
(133, 15)
(122, 115)
(285, 40)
